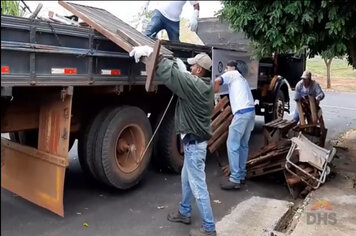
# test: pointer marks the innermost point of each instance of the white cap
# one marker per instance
(202, 59)
(306, 75)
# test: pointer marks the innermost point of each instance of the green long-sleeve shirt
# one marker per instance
(195, 99)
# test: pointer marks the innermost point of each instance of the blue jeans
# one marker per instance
(194, 184)
(237, 144)
(159, 22)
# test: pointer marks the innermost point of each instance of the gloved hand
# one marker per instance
(140, 51)
(181, 65)
(193, 23)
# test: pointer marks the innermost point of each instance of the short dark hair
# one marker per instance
(232, 63)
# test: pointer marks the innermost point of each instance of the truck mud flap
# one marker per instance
(37, 174)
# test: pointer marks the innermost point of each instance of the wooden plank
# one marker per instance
(222, 139)
(221, 129)
(112, 27)
(266, 170)
(301, 113)
(313, 109)
(151, 65)
(118, 40)
(221, 104)
(220, 118)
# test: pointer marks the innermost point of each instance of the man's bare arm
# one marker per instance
(217, 83)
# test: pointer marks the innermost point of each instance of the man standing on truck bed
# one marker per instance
(166, 16)
(242, 107)
(307, 87)
(193, 114)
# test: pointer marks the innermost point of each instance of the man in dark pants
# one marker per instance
(194, 109)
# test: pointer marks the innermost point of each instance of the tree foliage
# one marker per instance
(10, 8)
(284, 26)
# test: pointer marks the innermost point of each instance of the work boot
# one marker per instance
(228, 185)
(178, 217)
(201, 232)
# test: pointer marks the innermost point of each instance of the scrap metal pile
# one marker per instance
(291, 147)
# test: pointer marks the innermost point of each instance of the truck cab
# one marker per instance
(269, 78)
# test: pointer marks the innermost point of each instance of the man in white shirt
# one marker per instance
(242, 107)
(167, 16)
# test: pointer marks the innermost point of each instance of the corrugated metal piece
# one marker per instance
(112, 27)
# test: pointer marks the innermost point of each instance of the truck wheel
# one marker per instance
(168, 150)
(126, 132)
(87, 141)
(278, 107)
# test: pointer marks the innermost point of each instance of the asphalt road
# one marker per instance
(143, 209)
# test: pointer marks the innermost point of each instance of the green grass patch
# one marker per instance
(339, 68)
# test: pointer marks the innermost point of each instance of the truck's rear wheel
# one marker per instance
(168, 150)
(87, 142)
(278, 107)
(125, 134)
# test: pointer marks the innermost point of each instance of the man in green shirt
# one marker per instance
(193, 113)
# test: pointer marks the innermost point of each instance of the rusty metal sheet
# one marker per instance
(34, 175)
(112, 27)
(38, 174)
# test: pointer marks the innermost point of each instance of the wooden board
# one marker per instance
(151, 65)
(112, 27)
(220, 124)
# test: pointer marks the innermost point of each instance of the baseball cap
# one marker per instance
(202, 59)
(306, 75)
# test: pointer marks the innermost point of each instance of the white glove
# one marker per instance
(181, 65)
(193, 23)
(141, 51)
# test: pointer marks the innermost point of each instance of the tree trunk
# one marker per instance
(328, 65)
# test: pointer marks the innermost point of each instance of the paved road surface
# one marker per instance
(136, 212)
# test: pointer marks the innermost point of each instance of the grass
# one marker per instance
(343, 76)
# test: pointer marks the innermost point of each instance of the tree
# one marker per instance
(285, 26)
(10, 8)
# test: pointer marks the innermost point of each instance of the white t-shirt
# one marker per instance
(239, 91)
(172, 9)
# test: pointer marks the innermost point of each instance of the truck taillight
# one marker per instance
(111, 72)
(5, 70)
(64, 71)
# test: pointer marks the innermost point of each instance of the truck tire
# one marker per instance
(167, 148)
(278, 107)
(87, 142)
(125, 134)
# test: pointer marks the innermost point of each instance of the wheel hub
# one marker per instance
(129, 148)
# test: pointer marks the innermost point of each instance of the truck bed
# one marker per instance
(41, 53)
